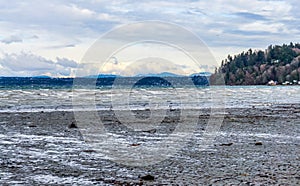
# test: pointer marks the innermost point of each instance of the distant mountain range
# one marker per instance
(102, 76)
(201, 74)
(41, 77)
(163, 74)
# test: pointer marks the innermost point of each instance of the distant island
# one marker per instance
(276, 65)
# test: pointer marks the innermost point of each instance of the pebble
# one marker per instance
(73, 125)
(226, 144)
(258, 143)
(148, 177)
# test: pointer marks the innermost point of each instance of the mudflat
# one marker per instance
(254, 146)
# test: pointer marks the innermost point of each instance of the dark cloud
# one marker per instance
(66, 62)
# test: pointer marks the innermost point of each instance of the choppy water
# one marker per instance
(32, 100)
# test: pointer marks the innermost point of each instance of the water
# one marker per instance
(34, 100)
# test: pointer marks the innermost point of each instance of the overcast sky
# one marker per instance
(51, 37)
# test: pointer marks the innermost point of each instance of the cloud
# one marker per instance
(34, 37)
(248, 15)
(66, 62)
(114, 60)
(78, 19)
(144, 66)
(27, 64)
(61, 46)
(12, 39)
(65, 27)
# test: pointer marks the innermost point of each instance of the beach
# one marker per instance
(254, 146)
(150, 93)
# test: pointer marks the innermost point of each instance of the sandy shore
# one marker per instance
(253, 147)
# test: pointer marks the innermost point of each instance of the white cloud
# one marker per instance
(260, 26)
(83, 12)
(12, 39)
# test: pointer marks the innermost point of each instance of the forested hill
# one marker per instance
(257, 67)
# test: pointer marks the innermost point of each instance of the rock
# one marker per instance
(89, 150)
(73, 125)
(258, 143)
(263, 175)
(226, 144)
(148, 177)
(135, 144)
(152, 131)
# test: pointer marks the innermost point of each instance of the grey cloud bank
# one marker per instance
(25, 64)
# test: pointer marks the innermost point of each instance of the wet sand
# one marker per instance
(253, 147)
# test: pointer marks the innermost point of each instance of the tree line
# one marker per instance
(257, 67)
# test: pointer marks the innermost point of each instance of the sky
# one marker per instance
(52, 37)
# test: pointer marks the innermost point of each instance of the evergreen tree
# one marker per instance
(277, 63)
